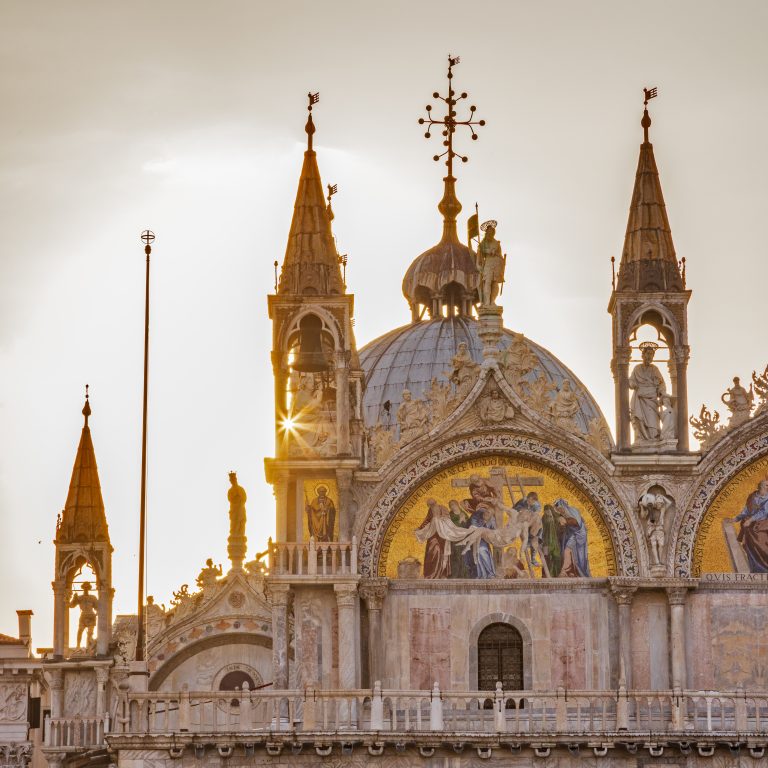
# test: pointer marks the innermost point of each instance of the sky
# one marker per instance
(187, 117)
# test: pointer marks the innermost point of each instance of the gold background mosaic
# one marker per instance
(400, 542)
(712, 552)
(310, 493)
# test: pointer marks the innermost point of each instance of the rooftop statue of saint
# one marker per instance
(647, 385)
(236, 496)
(490, 262)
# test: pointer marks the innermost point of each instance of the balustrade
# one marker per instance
(324, 558)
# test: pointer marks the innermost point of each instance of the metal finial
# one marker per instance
(332, 190)
(148, 237)
(649, 93)
(450, 121)
(87, 407)
(312, 98)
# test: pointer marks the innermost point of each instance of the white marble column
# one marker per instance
(280, 595)
(281, 506)
(344, 482)
(623, 596)
(102, 675)
(342, 403)
(373, 592)
(104, 618)
(676, 597)
(60, 617)
(620, 367)
(55, 679)
(346, 600)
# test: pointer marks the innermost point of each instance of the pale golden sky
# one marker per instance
(187, 117)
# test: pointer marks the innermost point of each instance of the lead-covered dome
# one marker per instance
(411, 356)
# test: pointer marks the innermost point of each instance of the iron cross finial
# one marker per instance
(450, 121)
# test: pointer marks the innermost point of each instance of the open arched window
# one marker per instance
(500, 658)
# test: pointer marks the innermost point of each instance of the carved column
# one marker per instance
(346, 600)
(280, 595)
(681, 391)
(102, 675)
(60, 616)
(344, 481)
(104, 618)
(623, 596)
(621, 378)
(677, 597)
(342, 403)
(56, 683)
(281, 504)
(373, 592)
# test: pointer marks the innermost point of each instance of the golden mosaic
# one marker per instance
(497, 518)
(733, 535)
(321, 503)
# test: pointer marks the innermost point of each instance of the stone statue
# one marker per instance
(89, 609)
(494, 409)
(209, 575)
(668, 418)
(647, 385)
(739, 403)
(653, 507)
(465, 371)
(382, 441)
(564, 407)
(237, 498)
(155, 616)
(321, 515)
(412, 417)
(490, 264)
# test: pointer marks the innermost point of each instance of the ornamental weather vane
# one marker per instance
(450, 122)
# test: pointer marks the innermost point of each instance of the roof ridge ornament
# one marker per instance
(313, 98)
(86, 408)
(649, 93)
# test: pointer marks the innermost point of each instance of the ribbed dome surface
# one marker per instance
(411, 356)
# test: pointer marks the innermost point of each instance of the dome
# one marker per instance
(411, 356)
(446, 266)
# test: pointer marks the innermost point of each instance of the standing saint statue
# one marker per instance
(490, 262)
(321, 515)
(739, 402)
(647, 385)
(89, 608)
(236, 544)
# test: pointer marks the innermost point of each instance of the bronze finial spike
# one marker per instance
(313, 98)
(649, 93)
(87, 407)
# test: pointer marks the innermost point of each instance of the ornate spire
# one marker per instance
(648, 261)
(311, 263)
(446, 275)
(83, 517)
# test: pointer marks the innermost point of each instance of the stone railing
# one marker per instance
(522, 714)
(313, 558)
(65, 732)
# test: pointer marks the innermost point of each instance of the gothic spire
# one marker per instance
(311, 263)
(648, 261)
(83, 518)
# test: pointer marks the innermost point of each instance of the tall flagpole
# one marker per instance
(148, 238)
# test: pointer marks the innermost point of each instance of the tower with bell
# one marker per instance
(650, 296)
(318, 379)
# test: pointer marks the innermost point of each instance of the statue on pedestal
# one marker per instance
(564, 407)
(490, 262)
(412, 417)
(653, 507)
(210, 573)
(465, 371)
(647, 385)
(236, 544)
(89, 609)
(739, 403)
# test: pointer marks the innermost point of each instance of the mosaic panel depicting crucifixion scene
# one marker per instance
(733, 535)
(497, 517)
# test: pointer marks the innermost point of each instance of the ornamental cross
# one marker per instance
(449, 122)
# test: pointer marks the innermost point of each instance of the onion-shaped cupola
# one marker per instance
(443, 281)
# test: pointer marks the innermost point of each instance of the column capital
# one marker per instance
(623, 594)
(102, 674)
(677, 595)
(373, 591)
(55, 679)
(344, 479)
(279, 594)
(346, 594)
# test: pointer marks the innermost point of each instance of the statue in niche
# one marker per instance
(465, 371)
(89, 609)
(494, 408)
(564, 407)
(237, 498)
(653, 508)
(739, 402)
(490, 263)
(668, 418)
(209, 575)
(647, 385)
(321, 515)
(412, 418)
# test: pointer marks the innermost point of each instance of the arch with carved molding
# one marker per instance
(721, 467)
(625, 539)
(330, 324)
